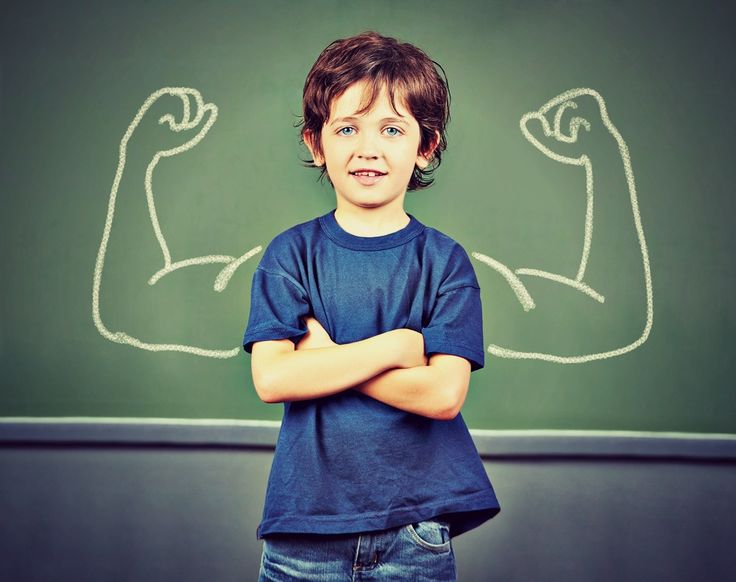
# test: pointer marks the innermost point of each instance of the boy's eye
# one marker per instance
(394, 131)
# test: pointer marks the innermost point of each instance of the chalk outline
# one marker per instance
(231, 263)
(564, 100)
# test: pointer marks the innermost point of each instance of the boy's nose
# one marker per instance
(367, 147)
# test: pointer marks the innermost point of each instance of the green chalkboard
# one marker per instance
(588, 173)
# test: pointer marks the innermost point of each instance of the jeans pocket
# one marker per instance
(430, 534)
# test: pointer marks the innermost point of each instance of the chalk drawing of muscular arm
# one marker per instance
(190, 120)
(549, 118)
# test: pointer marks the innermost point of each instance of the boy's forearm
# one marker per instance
(423, 390)
(323, 371)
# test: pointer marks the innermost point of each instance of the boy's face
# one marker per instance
(377, 140)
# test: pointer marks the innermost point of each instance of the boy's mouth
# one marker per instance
(367, 177)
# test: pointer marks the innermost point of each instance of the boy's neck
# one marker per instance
(371, 221)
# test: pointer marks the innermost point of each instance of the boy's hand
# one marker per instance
(316, 336)
(408, 343)
(411, 346)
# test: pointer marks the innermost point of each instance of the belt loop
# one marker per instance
(357, 553)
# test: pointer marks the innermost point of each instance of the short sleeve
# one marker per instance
(456, 326)
(277, 306)
(455, 323)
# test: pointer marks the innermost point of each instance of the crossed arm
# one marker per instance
(390, 367)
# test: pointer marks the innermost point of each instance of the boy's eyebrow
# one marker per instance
(352, 118)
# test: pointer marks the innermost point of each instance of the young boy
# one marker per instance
(366, 324)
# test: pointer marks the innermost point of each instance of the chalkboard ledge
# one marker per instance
(259, 434)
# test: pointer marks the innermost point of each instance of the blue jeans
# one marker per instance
(419, 552)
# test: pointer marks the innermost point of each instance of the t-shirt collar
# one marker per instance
(368, 243)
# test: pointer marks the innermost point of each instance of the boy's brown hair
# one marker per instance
(379, 60)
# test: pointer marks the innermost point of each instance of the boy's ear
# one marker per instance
(423, 159)
(309, 142)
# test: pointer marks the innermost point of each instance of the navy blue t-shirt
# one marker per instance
(347, 463)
